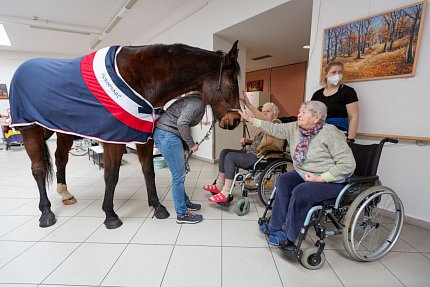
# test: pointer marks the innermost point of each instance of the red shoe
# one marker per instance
(212, 188)
(218, 198)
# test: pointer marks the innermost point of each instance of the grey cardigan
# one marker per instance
(183, 114)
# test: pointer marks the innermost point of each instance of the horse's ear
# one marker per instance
(232, 55)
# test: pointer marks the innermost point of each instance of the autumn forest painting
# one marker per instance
(377, 47)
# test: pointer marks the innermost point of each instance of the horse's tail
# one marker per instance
(47, 164)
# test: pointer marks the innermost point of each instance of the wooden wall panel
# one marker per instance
(288, 88)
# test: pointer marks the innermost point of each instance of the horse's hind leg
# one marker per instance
(112, 156)
(64, 143)
(144, 153)
(41, 169)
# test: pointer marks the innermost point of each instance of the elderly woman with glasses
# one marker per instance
(322, 161)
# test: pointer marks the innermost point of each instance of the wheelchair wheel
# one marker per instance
(311, 260)
(268, 177)
(242, 207)
(373, 223)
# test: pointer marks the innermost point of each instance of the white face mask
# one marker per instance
(335, 79)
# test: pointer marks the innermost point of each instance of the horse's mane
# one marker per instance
(182, 48)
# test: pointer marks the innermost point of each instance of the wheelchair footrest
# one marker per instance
(295, 253)
(227, 203)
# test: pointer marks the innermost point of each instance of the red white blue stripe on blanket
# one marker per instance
(116, 101)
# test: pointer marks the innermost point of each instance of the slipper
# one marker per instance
(212, 188)
(219, 198)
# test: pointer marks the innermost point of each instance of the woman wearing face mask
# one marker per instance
(341, 100)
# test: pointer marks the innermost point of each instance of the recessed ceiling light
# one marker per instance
(306, 47)
(4, 39)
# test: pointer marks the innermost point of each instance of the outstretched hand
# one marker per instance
(244, 98)
(246, 117)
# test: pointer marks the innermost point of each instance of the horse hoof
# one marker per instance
(113, 223)
(161, 212)
(47, 222)
(69, 201)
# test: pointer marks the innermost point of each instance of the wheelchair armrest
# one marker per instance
(362, 179)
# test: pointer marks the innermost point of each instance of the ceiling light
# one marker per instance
(60, 29)
(4, 39)
(306, 47)
(130, 4)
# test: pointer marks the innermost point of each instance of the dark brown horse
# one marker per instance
(158, 73)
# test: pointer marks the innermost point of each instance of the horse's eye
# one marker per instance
(233, 84)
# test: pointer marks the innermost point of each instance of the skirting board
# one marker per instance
(417, 222)
(205, 159)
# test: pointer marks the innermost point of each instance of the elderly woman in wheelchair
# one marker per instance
(367, 214)
(231, 159)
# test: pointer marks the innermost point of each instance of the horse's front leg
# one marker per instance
(41, 169)
(64, 143)
(144, 153)
(112, 156)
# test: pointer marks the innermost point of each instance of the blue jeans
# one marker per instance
(170, 146)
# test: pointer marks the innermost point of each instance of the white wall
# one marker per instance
(394, 106)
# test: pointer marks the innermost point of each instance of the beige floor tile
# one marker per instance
(417, 237)
(77, 229)
(156, 231)
(139, 265)
(207, 232)
(412, 269)
(353, 273)
(38, 262)
(194, 265)
(242, 233)
(293, 273)
(249, 267)
(122, 234)
(83, 262)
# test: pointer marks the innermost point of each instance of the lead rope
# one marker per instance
(187, 165)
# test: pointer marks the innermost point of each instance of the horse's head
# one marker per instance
(223, 95)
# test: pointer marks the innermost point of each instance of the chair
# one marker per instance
(367, 214)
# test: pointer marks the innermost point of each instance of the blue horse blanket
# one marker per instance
(85, 96)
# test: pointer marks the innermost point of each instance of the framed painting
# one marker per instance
(254, 86)
(377, 47)
(3, 91)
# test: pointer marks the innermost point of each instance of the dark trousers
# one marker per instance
(294, 198)
(229, 159)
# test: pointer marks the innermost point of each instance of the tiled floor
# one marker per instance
(223, 250)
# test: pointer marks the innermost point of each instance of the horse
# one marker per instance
(143, 79)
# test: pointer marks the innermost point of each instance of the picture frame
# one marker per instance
(3, 92)
(254, 86)
(380, 46)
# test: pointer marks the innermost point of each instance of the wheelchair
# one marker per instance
(259, 178)
(367, 214)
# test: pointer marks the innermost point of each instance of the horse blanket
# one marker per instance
(85, 96)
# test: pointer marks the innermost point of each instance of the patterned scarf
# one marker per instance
(305, 138)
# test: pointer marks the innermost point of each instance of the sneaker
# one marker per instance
(189, 217)
(266, 229)
(277, 238)
(193, 206)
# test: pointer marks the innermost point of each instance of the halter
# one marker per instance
(218, 91)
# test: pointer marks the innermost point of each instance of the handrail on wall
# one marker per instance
(400, 137)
